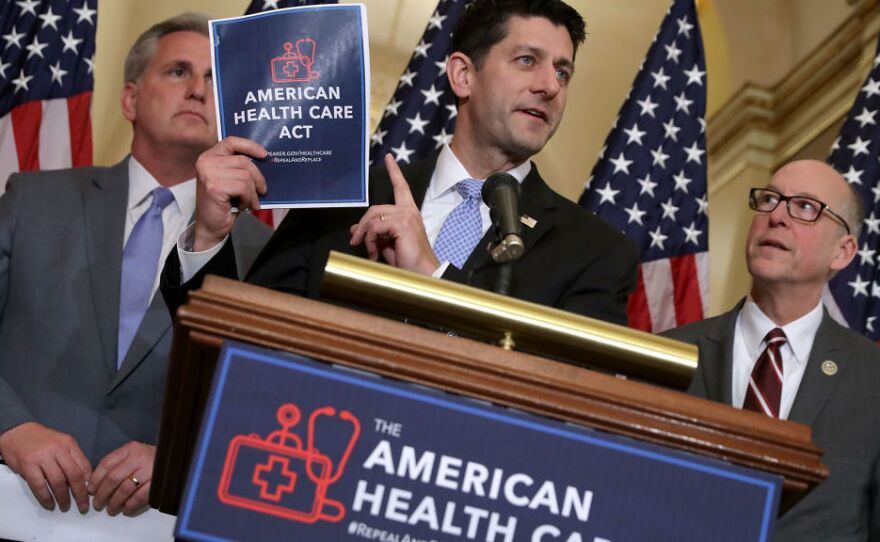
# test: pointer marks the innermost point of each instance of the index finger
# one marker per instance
(402, 193)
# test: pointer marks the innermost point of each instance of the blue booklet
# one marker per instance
(297, 81)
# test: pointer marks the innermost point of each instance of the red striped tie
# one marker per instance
(765, 385)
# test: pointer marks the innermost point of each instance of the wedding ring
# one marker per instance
(134, 481)
(382, 217)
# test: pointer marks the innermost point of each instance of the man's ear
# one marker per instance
(846, 251)
(459, 70)
(129, 101)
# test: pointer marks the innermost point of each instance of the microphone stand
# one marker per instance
(504, 253)
(500, 193)
(504, 278)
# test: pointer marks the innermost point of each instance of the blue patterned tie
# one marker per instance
(463, 227)
(139, 262)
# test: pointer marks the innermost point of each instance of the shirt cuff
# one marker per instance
(440, 270)
(191, 262)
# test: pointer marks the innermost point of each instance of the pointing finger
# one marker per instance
(402, 193)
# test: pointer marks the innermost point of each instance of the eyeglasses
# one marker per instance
(765, 200)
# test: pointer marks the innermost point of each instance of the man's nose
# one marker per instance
(547, 82)
(198, 88)
(780, 215)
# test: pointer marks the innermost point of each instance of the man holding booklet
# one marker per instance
(84, 335)
(510, 68)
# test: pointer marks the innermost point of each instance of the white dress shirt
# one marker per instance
(175, 215)
(440, 199)
(752, 325)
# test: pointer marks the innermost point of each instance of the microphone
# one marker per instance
(501, 193)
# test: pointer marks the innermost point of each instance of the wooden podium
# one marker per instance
(225, 309)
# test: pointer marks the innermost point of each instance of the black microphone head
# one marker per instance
(495, 181)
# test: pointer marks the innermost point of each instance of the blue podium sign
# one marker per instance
(294, 449)
(297, 81)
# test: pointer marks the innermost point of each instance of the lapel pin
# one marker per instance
(829, 367)
(528, 221)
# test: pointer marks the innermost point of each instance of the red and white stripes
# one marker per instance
(764, 393)
(48, 134)
(671, 292)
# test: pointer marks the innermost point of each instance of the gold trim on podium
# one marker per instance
(511, 323)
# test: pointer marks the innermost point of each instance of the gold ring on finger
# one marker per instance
(134, 480)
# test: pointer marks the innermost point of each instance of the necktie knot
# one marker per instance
(775, 337)
(469, 189)
(162, 197)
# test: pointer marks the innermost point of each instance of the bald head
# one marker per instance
(783, 252)
(840, 196)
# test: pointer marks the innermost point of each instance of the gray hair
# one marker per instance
(854, 210)
(144, 48)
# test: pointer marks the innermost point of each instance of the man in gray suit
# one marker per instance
(77, 389)
(814, 371)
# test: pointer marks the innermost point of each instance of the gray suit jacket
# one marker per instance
(843, 411)
(61, 239)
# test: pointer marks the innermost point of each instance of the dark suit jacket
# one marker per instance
(843, 411)
(61, 239)
(573, 260)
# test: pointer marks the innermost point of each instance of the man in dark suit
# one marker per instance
(510, 70)
(77, 389)
(809, 368)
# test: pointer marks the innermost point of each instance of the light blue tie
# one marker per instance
(140, 260)
(463, 227)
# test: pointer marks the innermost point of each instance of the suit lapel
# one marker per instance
(104, 203)
(154, 326)
(536, 202)
(816, 386)
(717, 348)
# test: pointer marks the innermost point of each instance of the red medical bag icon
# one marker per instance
(277, 476)
(295, 67)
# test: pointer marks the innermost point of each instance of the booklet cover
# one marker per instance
(297, 81)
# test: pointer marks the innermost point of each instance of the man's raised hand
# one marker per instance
(396, 232)
(226, 178)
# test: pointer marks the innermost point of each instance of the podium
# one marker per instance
(225, 310)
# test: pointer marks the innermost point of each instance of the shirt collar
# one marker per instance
(141, 183)
(799, 334)
(449, 171)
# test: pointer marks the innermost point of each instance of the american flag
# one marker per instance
(273, 217)
(46, 82)
(420, 117)
(855, 292)
(650, 180)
